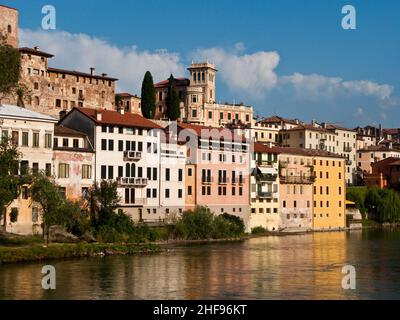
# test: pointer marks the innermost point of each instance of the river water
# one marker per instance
(286, 267)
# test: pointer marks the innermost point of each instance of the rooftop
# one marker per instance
(36, 52)
(179, 82)
(81, 74)
(60, 130)
(379, 148)
(19, 112)
(110, 117)
(2, 5)
(277, 119)
(310, 127)
(127, 95)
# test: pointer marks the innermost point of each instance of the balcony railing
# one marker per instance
(349, 162)
(132, 155)
(132, 182)
(265, 163)
(207, 180)
(297, 179)
(223, 181)
(266, 177)
(347, 149)
(265, 195)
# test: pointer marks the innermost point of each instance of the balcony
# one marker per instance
(266, 177)
(206, 180)
(297, 179)
(347, 149)
(265, 195)
(349, 162)
(132, 182)
(265, 163)
(81, 97)
(132, 155)
(223, 181)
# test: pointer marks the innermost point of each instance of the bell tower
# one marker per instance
(9, 25)
(203, 75)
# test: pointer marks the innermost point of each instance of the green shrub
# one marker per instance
(258, 230)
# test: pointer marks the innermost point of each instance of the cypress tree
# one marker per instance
(172, 101)
(148, 96)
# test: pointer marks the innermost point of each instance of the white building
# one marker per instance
(33, 133)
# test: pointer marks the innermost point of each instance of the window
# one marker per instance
(110, 145)
(103, 172)
(75, 143)
(47, 140)
(190, 172)
(167, 193)
(180, 175)
(110, 172)
(209, 114)
(48, 169)
(63, 170)
(103, 144)
(35, 143)
(35, 214)
(154, 193)
(65, 142)
(167, 175)
(190, 190)
(24, 193)
(24, 167)
(86, 171)
(120, 145)
(35, 168)
(127, 192)
(15, 138)
(25, 139)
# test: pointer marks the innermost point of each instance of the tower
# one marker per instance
(9, 25)
(203, 75)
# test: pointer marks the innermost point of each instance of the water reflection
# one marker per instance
(291, 267)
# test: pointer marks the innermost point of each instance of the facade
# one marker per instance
(9, 25)
(217, 170)
(295, 190)
(385, 173)
(33, 134)
(267, 130)
(370, 155)
(329, 194)
(264, 192)
(131, 103)
(198, 100)
(73, 162)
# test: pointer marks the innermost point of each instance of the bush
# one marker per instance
(258, 230)
(385, 203)
(358, 195)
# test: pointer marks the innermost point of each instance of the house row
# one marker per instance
(161, 172)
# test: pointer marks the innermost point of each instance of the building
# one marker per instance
(217, 170)
(131, 103)
(296, 180)
(33, 133)
(370, 155)
(52, 90)
(9, 25)
(267, 130)
(329, 194)
(385, 173)
(73, 162)
(198, 100)
(129, 150)
(325, 137)
(264, 184)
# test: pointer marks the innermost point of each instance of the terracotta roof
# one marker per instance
(309, 127)
(277, 119)
(127, 95)
(378, 148)
(204, 130)
(396, 163)
(110, 117)
(81, 74)
(36, 52)
(262, 148)
(60, 130)
(391, 131)
(179, 82)
(334, 126)
(67, 149)
(308, 152)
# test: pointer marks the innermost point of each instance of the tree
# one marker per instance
(10, 61)
(103, 200)
(172, 101)
(148, 96)
(46, 193)
(10, 181)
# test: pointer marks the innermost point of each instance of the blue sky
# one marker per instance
(288, 57)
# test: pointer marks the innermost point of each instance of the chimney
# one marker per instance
(98, 116)
(324, 125)
(270, 145)
(62, 114)
(104, 75)
(92, 70)
(36, 48)
(121, 110)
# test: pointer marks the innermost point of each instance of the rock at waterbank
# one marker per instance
(88, 237)
(58, 234)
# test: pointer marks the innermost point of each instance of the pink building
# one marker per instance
(217, 171)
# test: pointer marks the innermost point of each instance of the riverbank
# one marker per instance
(69, 251)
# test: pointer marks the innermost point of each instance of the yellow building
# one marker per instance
(329, 194)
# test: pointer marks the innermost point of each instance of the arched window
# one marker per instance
(133, 170)
(37, 101)
(203, 77)
(198, 76)
(9, 29)
(127, 170)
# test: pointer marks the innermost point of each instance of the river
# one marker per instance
(285, 267)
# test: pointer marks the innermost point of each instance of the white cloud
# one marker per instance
(250, 74)
(359, 111)
(80, 52)
(315, 86)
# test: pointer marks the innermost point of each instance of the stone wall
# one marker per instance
(9, 25)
